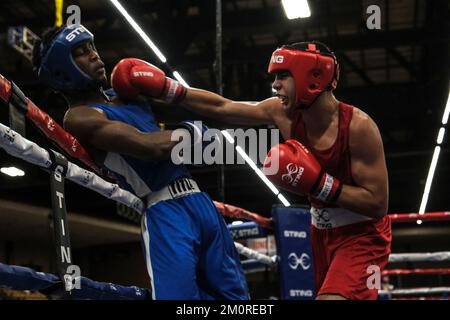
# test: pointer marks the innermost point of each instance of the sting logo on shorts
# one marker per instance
(322, 215)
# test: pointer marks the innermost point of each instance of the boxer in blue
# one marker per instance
(188, 250)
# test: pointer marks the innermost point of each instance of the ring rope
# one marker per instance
(255, 255)
(17, 146)
(413, 291)
(240, 213)
(413, 217)
(416, 257)
(437, 271)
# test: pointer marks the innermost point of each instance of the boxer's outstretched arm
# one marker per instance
(94, 129)
(370, 196)
(132, 77)
(212, 105)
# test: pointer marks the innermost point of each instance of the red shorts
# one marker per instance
(342, 256)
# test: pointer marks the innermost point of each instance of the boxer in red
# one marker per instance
(333, 153)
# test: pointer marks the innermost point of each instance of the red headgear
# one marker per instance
(313, 71)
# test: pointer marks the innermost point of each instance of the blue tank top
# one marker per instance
(139, 176)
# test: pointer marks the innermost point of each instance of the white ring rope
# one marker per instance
(252, 254)
(395, 257)
(17, 146)
(415, 257)
(413, 291)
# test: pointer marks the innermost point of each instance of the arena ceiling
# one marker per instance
(399, 75)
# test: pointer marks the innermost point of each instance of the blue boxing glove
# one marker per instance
(198, 144)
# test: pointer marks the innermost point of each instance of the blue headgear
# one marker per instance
(58, 68)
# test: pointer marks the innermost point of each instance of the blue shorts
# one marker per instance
(189, 251)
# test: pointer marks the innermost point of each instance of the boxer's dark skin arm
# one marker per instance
(92, 128)
(370, 195)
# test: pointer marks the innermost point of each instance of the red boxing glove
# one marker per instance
(300, 172)
(131, 77)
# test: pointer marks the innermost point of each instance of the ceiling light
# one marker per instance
(139, 30)
(12, 171)
(295, 9)
(430, 176)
